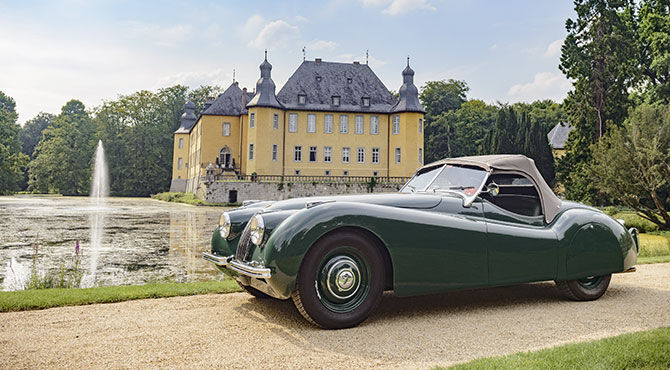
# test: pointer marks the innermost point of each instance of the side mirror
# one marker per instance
(493, 189)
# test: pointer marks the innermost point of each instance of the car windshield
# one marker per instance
(463, 180)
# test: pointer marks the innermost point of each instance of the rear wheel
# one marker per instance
(340, 281)
(586, 289)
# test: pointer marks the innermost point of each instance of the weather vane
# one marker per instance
(304, 53)
(233, 75)
(367, 56)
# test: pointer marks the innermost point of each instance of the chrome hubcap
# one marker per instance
(343, 278)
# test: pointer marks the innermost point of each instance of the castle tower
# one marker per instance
(406, 136)
(180, 153)
(265, 129)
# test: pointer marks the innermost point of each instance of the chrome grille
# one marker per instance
(244, 244)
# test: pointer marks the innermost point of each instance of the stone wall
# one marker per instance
(223, 191)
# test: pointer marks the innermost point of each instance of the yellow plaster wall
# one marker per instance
(182, 153)
(263, 136)
(337, 141)
(409, 140)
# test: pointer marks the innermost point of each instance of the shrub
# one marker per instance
(633, 220)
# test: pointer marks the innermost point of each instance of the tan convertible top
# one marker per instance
(513, 162)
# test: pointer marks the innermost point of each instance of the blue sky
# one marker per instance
(53, 51)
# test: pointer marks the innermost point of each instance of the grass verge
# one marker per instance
(654, 247)
(188, 198)
(36, 299)
(642, 350)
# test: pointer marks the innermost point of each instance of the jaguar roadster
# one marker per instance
(458, 223)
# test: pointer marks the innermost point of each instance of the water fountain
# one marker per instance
(99, 193)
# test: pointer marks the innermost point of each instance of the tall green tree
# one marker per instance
(12, 161)
(654, 49)
(199, 96)
(600, 56)
(505, 138)
(31, 134)
(63, 157)
(460, 132)
(439, 97)
(546, 112)
(632, 164)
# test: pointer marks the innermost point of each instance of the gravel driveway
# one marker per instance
(237, 331)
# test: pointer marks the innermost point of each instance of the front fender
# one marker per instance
(290, 241)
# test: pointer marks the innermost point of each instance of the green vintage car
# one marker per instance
(458, 223)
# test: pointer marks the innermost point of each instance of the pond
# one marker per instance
(123, 241)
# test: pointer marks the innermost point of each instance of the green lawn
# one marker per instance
(45, 298)
(642, 350)
(654, 247)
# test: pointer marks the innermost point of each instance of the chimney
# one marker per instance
(356, 63)
(318, 60)
(208, 103)
(244, 97)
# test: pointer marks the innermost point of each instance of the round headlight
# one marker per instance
(224, 225)
(257, 227)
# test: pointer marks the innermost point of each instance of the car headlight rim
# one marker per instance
(257, 227)
(224, 225)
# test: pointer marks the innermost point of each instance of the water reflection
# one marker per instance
(142, 240)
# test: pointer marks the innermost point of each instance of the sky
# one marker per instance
(94, 51)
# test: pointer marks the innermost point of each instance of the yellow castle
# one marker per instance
(329, 119)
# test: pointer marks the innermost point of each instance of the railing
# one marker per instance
(297, 179)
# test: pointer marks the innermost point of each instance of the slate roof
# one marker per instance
(229, 103)
(559, 135)
(265, 88)
(408, 94)
(319, 81)
(187, 119)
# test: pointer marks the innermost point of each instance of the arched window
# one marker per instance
(225, 158)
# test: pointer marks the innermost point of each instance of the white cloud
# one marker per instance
(253, 24)
(397, 7)
(276, 34)
(554, 49)
(321, 45)
(545, 85)
(159, 35)
(196, 78)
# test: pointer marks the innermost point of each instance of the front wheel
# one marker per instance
(340, 281)
(586, 289)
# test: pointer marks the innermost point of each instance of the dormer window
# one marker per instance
(365, 101)
(349, 80)
(301, 99)
(318, 78)
(336, 101)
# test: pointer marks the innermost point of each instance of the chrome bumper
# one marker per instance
(238, 266)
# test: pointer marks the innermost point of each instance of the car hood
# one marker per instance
(401, 200)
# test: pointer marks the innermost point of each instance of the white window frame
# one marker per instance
(297, 153)
(420, 125)
(328, 124)
(375, 156)
(275, 121)
(359, 125)
(293, 122)
(420, 155)
(180, 162)
(311, 123)
(275, 149)
(374, 125)
(327, 154)
(313, 149)
(365, 101)
(251, 151)
(344, 124)
(252, 120)
(302, 99)
(181, 142)
(346, 154)
(360, 155)
(336, 100)
(225, 129)
(398, 155)
(396, 125)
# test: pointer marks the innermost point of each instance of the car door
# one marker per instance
(521, 246)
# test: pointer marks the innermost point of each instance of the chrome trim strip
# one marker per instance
(237, 266)
(248, 270)
(217, 260)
